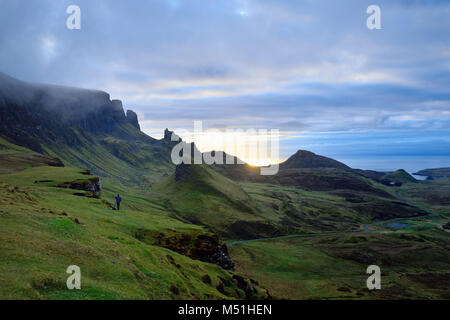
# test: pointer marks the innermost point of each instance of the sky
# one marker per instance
(375, 99)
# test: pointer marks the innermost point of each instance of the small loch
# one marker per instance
(398, 225)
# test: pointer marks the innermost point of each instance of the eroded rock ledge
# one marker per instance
(203, 247)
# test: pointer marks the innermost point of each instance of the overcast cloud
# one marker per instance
(305, 67)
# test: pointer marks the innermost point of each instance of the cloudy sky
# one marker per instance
(373, 98)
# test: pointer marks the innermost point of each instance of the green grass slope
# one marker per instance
(135, 159)
(414, 265)
(45, 228)
(16, 158)
(247, 210)
(399, 176)
(199, 195)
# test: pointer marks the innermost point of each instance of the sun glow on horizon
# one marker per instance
(261, 162)
(254, 147)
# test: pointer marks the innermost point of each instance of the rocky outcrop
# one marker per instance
(208, 249)
(171, 138)
(203, 247)
(248, 286)
(132, 118)
(168, 135)
(93, 187)
(221, 258)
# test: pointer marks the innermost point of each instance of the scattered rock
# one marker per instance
(221, 258)
(172, 261)
(256, 283)
(93, 186)
(108, 204)
(206, 279)
(42, 181)
(174, 290)
(243, 284)
(221, 288)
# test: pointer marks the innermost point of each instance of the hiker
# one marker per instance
(118, 199)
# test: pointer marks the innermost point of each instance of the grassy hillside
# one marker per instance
(145, 251)
(136, 159)
(413, 255)
(414, 264)
(431, 195)
(202, 196)
(399, 176)
(65, 153)
(44, 229)
(245, 210)
(14, 158)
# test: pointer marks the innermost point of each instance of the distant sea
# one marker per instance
(386, 164)
(381, 151)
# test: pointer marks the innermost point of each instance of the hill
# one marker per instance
(199, 195)
(294, 201)
(437, 173)
(399, 176)
(308, 160)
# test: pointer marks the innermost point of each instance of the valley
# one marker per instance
(308, 232)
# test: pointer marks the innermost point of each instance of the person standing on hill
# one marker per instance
(118, 199)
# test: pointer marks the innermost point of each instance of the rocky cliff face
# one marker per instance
(104, 119)
(132, 118)
(31, 114)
